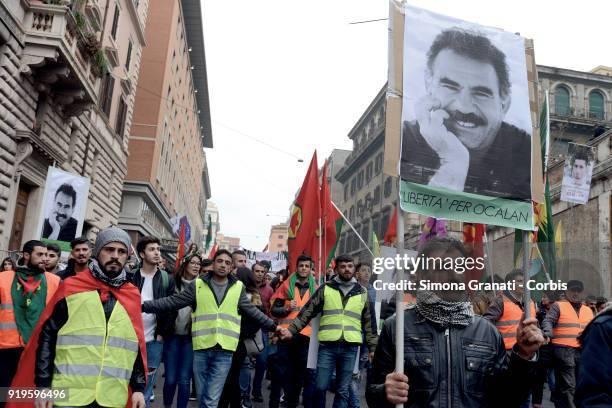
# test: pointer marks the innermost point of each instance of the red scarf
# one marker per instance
(129, 297)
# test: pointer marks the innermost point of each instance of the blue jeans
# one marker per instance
(210, 368)
(154, 356)
(260, 366)
(178, 365)
(245, 378)
(339, 357)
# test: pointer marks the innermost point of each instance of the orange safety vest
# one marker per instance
(570, 324)
(509, 321)
(301, 302)
(9, 335)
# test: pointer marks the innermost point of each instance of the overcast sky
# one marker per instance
(297, 75)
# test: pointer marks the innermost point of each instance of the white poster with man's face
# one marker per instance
(466, 122)
(64, 207)
(577, 173)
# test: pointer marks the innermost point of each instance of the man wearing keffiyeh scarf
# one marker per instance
(451, 357)
(102, 303)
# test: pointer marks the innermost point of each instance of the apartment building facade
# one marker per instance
(68, 74)
(167, 172)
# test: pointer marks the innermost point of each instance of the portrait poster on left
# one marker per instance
(64, 207)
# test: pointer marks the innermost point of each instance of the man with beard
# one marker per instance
(79, 258)
(60, 225)
(219, 302)
(459, 139)
(292, 356)
(240, 260)
(345, 315)
(91, 341)
(53, 256)
(153, 283)
(24, 293)
(451, 356)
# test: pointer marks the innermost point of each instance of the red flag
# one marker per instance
(213, 251)
(181, 246)
(473, 239)
(305, 215)
(331, 219)
(391, 234)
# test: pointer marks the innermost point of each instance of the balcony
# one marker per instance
(62, 54)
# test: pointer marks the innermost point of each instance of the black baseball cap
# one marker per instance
(575, 284)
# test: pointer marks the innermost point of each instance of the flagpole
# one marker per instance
(489, 259)
(399, 295)
(526, 291)
(320, 246)
(354, 230)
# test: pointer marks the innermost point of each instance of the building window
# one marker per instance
(596, 105)
(106, 95)
(353, 185)
(352, 213)
(376, 195)
(280, 237)
(562, 101)
(378, 163)
(369, 172)
(115, 22)
(360, 208)
(365, 232)
(346, 192)
(388, 187)
(359, 180)
(121, 118)
(129, 57)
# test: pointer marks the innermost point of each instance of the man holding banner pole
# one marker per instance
(450, 357)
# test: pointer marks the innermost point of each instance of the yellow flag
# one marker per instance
(375, 245)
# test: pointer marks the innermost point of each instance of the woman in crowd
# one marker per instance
(178, 350)
(8, 264)
(233, 394)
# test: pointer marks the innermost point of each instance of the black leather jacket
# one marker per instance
(455, 367)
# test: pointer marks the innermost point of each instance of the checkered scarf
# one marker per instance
(442, 312)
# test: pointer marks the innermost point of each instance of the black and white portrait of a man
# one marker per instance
(456, 132)
(65, 202)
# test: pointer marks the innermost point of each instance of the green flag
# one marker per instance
(542, 257)
(208, 234)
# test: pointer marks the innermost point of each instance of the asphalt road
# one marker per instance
(158, 403)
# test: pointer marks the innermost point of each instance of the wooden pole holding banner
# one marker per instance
(320, 248)
(489, 264)
(399, 296)
(526, 291)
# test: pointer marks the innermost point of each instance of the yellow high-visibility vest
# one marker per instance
(94, 359)
(213, 324)
(338, 322)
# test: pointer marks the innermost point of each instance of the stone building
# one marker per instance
(580, 112)
(167, 173)
(68, 72)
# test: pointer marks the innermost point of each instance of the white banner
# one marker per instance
(277, 259)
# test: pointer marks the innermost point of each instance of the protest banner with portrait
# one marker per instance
(462, 105)
(64, 207)
(577, 173)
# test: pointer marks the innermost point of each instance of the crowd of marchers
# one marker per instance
(102, 326)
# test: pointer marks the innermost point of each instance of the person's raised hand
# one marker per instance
(396, 388)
